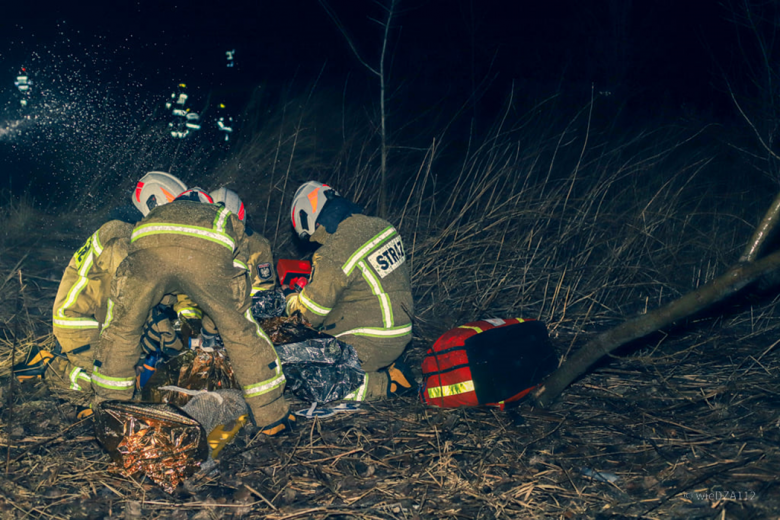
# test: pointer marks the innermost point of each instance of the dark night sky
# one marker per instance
(437, 42)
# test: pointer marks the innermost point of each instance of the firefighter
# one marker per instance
(224, 121)
(198, 248)
(359, 290)
(24, 86)
(261, 260)
(260, 264)
(80, 304)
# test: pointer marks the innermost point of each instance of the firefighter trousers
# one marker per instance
(219, 288)
(375, 354)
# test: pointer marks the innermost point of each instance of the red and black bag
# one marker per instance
(489, 362)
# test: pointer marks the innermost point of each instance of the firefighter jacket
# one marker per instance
(260, 265)
(200, 250)
(84, 287)
(359, 288)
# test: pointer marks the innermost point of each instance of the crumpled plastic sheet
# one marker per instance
(268, 304)
(318, 367)
(196, 369)
(156, 440)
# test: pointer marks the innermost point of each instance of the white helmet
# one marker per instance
(307, 205)
(196, 195)
(231, 201)
(155, 189)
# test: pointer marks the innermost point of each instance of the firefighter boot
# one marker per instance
(280, 427)
(35, 364)
(400, 380)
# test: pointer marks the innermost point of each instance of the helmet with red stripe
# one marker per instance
(231, 201)
(196, 195)
(155, 189)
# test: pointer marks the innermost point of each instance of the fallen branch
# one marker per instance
(717, 290)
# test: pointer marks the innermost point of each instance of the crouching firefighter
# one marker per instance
(359, 290)
(197, 248)
(81, 301)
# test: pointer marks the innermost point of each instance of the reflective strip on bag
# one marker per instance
(376, 288)
(470, 327)
(179, 229)
(378, 332)
(112, 383)
(313, 307)
(366, 248)
(448, 390)
(264, 387)
(75, 323)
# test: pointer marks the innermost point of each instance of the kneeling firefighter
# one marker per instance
(197, 248)
(80, 304)
(360, 290)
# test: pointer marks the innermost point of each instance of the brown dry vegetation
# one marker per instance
(544, 218)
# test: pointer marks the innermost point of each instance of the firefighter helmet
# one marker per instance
(231, 201)
(155, 189)
(196, 195)
(307, 205)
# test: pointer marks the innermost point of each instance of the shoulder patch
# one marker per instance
(264, 271)
(388, 258)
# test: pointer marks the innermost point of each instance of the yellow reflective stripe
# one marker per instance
(112, 383)
(109, 315)
(359, 394)
(180, 229)
(448, 390)
(221, 219)
(80, 284)
(74, 376)
(97, 247)
(191, 312)
(75, 323)
(378, 332)
(240, 265)
(470, 327)
(260, 332)
(366, 248)
(256, 290)
(376, 288)
(313, 307)
(264, 387)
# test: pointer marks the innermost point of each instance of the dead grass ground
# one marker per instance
(688, 424)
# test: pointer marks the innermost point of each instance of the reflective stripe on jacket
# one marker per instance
(360, 282)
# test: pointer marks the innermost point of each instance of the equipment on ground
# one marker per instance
(490, 362)
(159, 441)
(291, 272)
(155, 189)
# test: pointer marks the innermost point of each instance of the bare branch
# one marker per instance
(344, 33)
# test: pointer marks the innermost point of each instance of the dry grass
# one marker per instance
(562, 222)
